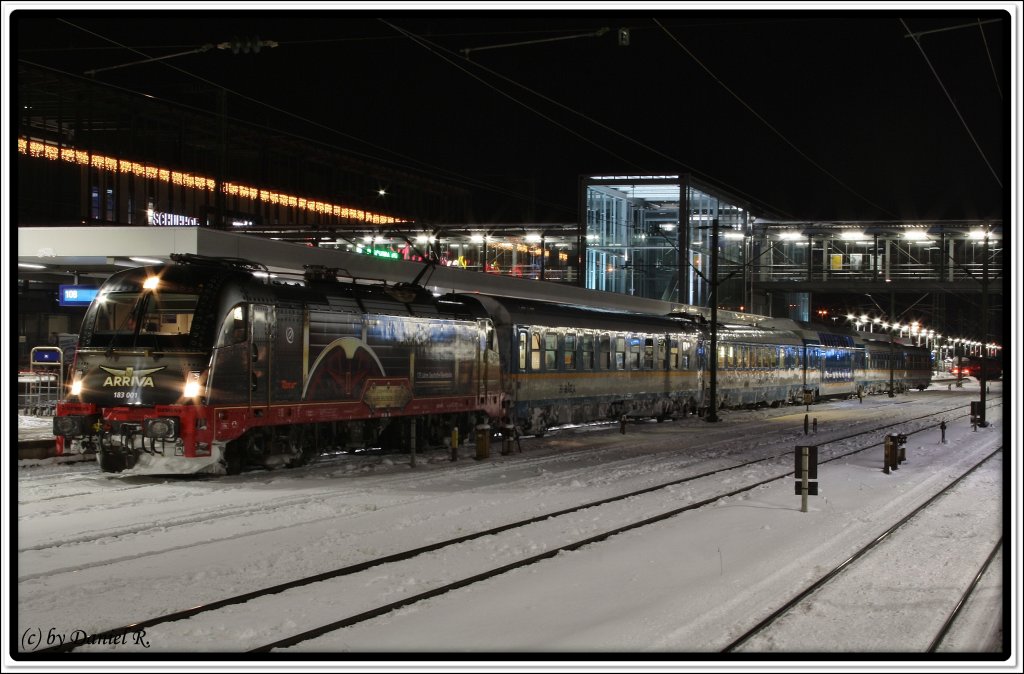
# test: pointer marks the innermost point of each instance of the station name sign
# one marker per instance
(161, 219)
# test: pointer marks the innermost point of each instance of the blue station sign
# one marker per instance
(76, 296)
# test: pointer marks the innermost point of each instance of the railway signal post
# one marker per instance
(806, 470)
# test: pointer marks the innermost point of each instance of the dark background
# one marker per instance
(847, 88)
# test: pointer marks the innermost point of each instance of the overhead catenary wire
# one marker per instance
(988, 52)
(588, 118)
(953, 103)
(417, 164)
(770, 126)
(423, 43)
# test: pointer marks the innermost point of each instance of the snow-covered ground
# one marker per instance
(95, 551)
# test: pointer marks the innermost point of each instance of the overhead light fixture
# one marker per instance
(29, 265)
(146, 260)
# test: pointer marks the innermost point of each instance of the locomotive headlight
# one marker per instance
(76, 385)
(192, 387)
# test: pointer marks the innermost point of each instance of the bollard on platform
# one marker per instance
(483, 441)
(455, 444)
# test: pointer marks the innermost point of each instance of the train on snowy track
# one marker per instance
(204, 365)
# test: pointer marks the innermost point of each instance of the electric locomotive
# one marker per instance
(200, 366)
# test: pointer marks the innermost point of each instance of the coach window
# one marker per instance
(588, 351)
(551, 350)
(649, 353)
(673, 354)
(522, 351)
(620, 353)
(721, 357)
(535, 351)
(235, 327)
(604, 357)
(569, 351)
(634, 353)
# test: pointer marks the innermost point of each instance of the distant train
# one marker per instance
(975, 366)
(201, 366)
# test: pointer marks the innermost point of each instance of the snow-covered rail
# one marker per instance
(830, 596)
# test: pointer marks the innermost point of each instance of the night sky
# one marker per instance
(846, 88)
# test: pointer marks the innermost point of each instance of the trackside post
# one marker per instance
(806, 459)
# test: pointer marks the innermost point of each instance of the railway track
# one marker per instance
(761, 637)
(491, 534)
(767, 441)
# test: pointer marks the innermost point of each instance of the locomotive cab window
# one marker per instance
(113, 314)
(129, 319)
(235, 327)
(169, 314)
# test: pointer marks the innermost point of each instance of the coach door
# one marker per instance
(262, 334)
